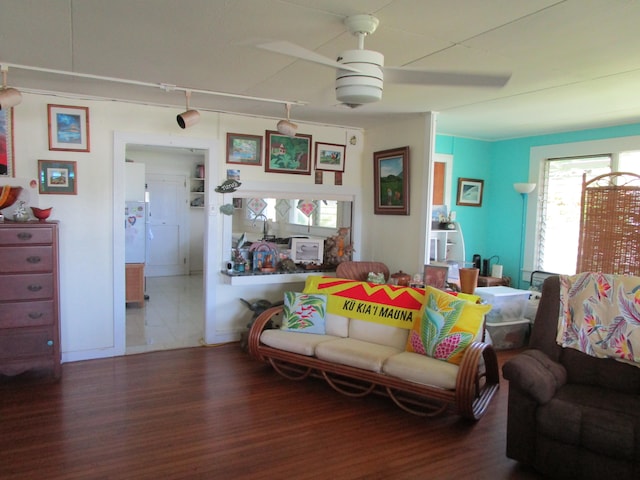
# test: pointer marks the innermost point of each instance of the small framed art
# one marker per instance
(391, 181)
(285, 154)
(68, 128)
(330, 157)
(57, 176)
(470, 192)
(244, 149)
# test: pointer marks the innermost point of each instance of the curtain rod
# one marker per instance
(163, 86)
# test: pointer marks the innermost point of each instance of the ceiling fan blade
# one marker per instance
(434, 77)
(293, 50)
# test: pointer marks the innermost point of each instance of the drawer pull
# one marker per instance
(24, 235)
(35, 315)
(34, 259)
(34, 288)
(50, 343)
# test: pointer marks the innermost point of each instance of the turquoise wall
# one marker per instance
(495, 227)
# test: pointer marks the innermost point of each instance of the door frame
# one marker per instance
(212, 250)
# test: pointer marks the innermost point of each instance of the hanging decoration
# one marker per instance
(256, 205)
(228, 186)
(307, 207)
(282, 207)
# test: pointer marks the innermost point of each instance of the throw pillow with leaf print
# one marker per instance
(304, 312)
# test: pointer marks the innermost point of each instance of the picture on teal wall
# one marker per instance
(391, 181)
(470, 192)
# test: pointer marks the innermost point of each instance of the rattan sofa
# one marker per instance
(357, 358)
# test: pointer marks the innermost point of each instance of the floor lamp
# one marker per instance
(524, 189)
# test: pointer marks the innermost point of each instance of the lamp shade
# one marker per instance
(524, 188)
(9, 97)
(285, 127)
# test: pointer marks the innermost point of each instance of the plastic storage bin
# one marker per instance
(509, 335)
(508, 304)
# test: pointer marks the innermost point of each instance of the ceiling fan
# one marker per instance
(360, 73)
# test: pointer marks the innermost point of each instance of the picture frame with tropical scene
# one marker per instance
(330, 157)
(391, 181)
(284, 154)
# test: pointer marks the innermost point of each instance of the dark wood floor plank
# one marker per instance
(216, 413)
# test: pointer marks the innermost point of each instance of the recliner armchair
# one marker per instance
(571, 415)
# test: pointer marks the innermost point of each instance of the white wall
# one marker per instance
(88, 285)
(399, 240)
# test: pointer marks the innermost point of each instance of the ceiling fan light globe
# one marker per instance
(287, 128)
(364, 86)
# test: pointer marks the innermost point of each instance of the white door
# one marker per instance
(168, 230)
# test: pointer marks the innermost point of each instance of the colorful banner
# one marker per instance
(386, 304)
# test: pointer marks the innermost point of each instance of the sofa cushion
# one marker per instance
(446, 326)
(421, 369)
(337, 325)
(355, 353)
(304, 312)
(377, 333)
(301, 343)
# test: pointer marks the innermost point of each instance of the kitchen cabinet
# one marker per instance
(29, 298)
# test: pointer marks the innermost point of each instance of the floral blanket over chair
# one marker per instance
(600, 315)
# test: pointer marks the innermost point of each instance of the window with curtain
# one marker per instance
(559, 208)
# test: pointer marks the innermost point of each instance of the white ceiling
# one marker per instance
(575, 64)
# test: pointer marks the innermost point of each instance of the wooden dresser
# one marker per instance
(29, 298)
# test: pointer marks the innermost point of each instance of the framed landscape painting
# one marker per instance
(470, 192)
(68, 128)
(57, 176)
(285, 154)
(330, 157)
(391, 181)
(244, 149)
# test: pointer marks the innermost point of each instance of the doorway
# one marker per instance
(209, 246)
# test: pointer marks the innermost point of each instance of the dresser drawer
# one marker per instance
(23, 235)
(27, 342)
(37, 258)
(27, 314)
(26, 287)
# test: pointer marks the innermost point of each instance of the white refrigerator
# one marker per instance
(135, 232)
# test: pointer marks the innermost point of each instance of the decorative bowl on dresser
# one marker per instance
(29, 298)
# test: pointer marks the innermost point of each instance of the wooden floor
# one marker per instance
(215, 413)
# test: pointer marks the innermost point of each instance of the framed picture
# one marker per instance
(470, 192)
(57, 176)
(68, 128)
(285, 154)
(436, 276)
(307, 250)
(244, 149)
(391, 181)
(330, 157)
(6, 142)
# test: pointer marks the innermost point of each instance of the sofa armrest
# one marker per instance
(259, 325)
(533, 372)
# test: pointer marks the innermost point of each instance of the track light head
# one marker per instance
(285, 127)
(189, 117)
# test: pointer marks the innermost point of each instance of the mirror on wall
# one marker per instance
(278, 219)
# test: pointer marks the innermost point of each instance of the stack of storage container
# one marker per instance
(506, 324)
